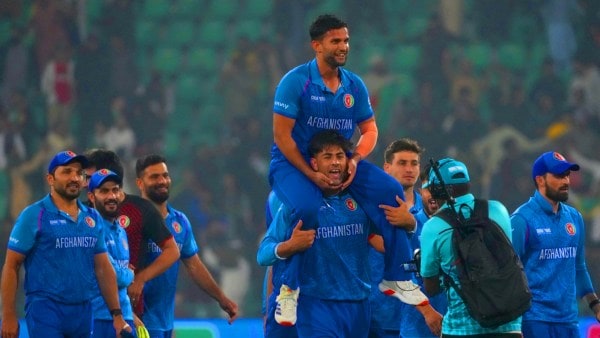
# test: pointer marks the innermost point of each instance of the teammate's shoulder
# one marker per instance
(136, 200)
(298, 73)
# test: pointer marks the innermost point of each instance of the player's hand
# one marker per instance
(433, 319)
(399, 216)
(230, 307)
(10, 328)
(140, 328)
(134, 290)
(324, 182)
(352, 164)
(122, 327)
(301, 240)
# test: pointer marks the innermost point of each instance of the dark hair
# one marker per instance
(102, 158)
(403, 144)
(142, 163)
(326, 138)
(323, 24)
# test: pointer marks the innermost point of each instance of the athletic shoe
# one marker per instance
(287, 301)
(407, 291)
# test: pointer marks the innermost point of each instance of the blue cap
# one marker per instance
(552, 162)
(452, 171)
(64, 158)
(99, 177)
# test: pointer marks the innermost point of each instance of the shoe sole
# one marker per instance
(286, 324)
(390, 292)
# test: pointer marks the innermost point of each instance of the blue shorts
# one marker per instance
(51, 319)
(332, 318)
(534, 329)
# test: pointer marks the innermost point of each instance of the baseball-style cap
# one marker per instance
(552, 162)
(99, 177)
(452, 172)
(64, 158)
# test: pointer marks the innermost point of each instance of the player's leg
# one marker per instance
(373, 187)
(303, 197)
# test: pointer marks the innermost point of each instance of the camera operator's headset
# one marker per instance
(436, 186)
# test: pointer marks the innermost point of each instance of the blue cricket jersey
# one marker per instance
(115, 238)
(551, 247)
(159, 293)
(303, 96)
(437, 254)
(336, 266)
(59, 252)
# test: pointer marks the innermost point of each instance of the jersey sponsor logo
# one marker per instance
(123, 221)
(282, 105)
(327, 123)
(76, 242)
(318, 98)
(351, 204)
(558, 253)
(340, 230)
(90, 222)
(348, 100)
(559, 157)
(57, 221)
(543, 231)
(570, 228)
(176, 227)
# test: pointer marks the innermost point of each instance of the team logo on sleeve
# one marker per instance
(570, 229)
(90, 222)
(176, 227)
(123, 221)
(351, 204)
(348, 100)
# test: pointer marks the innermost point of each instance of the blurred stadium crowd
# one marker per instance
(492, 83)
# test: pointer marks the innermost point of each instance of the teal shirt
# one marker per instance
(437, 254)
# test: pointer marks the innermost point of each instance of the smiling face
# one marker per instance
(106, 199)
(332, 162)
(333, 47)
(67, 180)
(154, 183)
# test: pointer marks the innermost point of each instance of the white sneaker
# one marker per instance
(287, 301)
(407, 291)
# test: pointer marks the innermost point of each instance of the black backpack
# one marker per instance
(493, 284)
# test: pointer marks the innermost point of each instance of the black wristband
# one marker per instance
(115, 312)
(594, 303)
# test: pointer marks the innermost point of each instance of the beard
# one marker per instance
(157, 197)
(106, 213)
(557, 195)
(67, 193)
(332, 62)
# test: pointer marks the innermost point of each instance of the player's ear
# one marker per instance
(313, 164)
